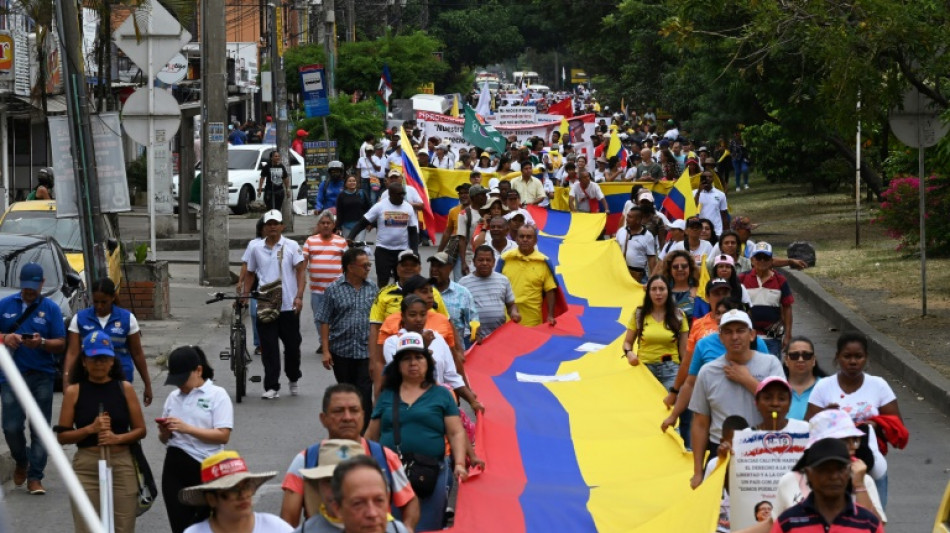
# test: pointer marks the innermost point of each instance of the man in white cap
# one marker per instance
(278, 259)
(726, 387)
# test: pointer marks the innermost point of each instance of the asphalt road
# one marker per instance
(269, 433)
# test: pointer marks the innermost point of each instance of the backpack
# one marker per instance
(376, 451)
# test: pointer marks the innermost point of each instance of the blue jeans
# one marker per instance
(368, 189)
(881, 485)
(316, 302)
(741, 169)
(664, 372)
(14, 422)
(774, 346)
(252, 309)
(432, 509)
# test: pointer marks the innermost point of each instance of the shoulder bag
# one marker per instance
(271, 294)
(422, 470)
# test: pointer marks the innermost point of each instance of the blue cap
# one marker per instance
(97, 343)
(31, 276)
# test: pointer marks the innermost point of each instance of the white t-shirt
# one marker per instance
(263, 523)
(704, 249)
(548, 186)
(133, 324)
(392, 223)
(582, 197)
(382, 163)
(710, 205)
(631, 174)
(207, 407)
(599, 175)
(262, 261)
(638, 248)
(365, 165)
(861, 404)
(445, 371)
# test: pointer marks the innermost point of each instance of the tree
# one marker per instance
(478, 35)
(298, 56)
(410, 59)
(347, 123)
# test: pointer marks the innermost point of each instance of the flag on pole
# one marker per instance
(613, 147)
(480, 134)
(385, 90)
(564, 107)
(679, 203)
(413, 177)
(455, 106)
(484, 101)
(563, 75)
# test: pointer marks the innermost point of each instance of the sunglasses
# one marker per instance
(801, 356)
(679, 267)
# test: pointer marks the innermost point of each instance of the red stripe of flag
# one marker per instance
(674, 205)
(413, 176)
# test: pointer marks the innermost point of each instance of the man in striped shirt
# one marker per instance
(323, 252)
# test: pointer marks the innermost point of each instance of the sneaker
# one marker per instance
(738, 188)
(35, 488)
(746, 186)
(294, 389)
(270, 395)
(19, 475)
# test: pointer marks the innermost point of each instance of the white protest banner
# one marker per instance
(450, 128)
(760, 459)
(515, 114)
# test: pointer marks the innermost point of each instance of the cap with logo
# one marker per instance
(441, 258)
(97, 343)
(408, 254)
(735, 315)
(410, 342)
(718, 283)
(645, 194)
(723, 259)
(273, 214)
(770, 380)
(762, 248)
(31, 276)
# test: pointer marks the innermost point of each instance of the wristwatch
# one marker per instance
(42, 341)
(674, 390)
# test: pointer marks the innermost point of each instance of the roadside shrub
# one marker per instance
(899, 213)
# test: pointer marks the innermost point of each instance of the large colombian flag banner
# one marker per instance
(571, 433)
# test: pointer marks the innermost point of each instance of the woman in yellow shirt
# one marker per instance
(657, 334)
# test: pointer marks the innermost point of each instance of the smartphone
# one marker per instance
(161, 420)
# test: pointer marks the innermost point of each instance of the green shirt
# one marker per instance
(421, 425)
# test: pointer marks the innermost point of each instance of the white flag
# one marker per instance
(484, 101)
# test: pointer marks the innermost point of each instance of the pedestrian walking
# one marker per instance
(323, 252)
(32, 327)
(278, 265)
(275, 181)
(122, 329)
(196, 423)
(397, 229)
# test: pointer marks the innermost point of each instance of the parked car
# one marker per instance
(63, 285)
(38, 217)
(244, 174)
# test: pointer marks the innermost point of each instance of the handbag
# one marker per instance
(147, 490)
(271, 295)
(422, 470)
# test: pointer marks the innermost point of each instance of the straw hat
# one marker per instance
(222, 471)
(332, 453)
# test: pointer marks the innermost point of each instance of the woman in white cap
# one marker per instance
(196, 423)
(99, 409)
(228, 489)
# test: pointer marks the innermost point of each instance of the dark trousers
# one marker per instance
(181, 471)
(285, 329)
(356, 373)
(274, 200)
(386, 260)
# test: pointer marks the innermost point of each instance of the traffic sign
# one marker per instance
(162, 32)
(174, 71)
(139, 123)
(917, 123)
(314, 91)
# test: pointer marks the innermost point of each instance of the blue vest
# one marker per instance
(117, 328)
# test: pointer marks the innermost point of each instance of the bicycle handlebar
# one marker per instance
(220, 296)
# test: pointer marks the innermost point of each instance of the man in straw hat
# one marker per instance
(319, 499)
(228, 488)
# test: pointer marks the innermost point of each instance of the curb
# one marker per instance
(905, 366)
(186, 244)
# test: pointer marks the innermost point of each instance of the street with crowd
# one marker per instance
(393, 322)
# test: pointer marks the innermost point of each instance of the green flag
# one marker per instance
(481, 135)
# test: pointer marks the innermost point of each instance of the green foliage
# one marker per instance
(409, 57)
(478, 35)
(141, 252)
(900, 212)
(347, 123)
(780, 156)
(136, 173)
(298, 56)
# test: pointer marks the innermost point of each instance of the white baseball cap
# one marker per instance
(273, 214)
(735, 315)
(679, 224)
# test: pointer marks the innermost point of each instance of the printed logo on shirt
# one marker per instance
(9, 315)
(276, 176)
(117, 329)
(88, 328)
(204, 404)
(39, 320)
(395, 219)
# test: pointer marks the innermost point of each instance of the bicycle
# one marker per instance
(238, 355)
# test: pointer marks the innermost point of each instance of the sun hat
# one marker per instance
(735, 315)
(831, 424)
(97, 343)
(770, 380)
(332, 453)
(31, 276)
(222, 471)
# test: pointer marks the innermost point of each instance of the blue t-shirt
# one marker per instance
(46, 319)
(709, 348)
(800, 402)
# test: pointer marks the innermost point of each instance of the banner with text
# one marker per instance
(450, 128)
(760, 459)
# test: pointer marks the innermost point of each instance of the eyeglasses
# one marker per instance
(679, 267)
(803, 356)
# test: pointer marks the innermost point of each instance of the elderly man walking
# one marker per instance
(278, 259)
(491, 293)
(33, 331)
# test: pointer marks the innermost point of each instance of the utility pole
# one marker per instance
(329, 45)
(214, 269)
(350, 21)
(80, 136)
(280, 107)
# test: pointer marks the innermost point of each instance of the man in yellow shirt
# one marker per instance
(531, 277)
(529, 188)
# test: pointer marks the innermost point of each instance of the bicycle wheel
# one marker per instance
(239, 362)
